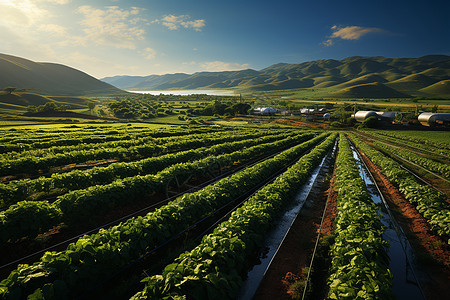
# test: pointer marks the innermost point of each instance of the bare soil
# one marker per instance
(432, 250)
(293, 257)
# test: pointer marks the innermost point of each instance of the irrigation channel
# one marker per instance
(281, 229)
(172, 192)
(403, 265)
(155, 259)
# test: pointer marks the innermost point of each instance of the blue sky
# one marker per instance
(143, 37)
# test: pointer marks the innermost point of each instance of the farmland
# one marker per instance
(167, 212)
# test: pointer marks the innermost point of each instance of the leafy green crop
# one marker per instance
(213, 269)
(79, 205)
(429, 164)
(89, 260)
(18, 190)
(430, 203)
(359, 266)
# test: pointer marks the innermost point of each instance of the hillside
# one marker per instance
(23, 100)
(50, 78)
(441, 88)
(369, 90)
(384, 77)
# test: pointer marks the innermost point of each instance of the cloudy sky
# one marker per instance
(143, 37)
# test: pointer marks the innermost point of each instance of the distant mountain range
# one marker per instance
(50, 79)
(352, 77)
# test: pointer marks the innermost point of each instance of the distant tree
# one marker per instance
(63, 107)
(434, 109)
(391, 108)
(370, 122)
(90, 105)
(49, 107)
(31, 108)
(9, 89)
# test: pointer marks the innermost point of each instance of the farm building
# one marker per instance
(307, 110)
(362, 115)
(387, 116)
(434, 119)
(265, 111)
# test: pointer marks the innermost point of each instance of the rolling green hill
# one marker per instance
(20, 100)
(412, 83)
(50, 78)
(369, 90)
(360, 77)
(440, 89)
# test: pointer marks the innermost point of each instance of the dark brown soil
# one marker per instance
(295, 253)
(431, 249)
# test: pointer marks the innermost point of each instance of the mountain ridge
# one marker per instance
(395, 75)
(50, 78)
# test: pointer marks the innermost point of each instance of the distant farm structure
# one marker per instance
(388, 116)
(434, 119)
(265, 111)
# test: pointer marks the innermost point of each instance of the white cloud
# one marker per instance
(350, 33)
(55, 1)
(328, 42)
(217, 66)
(149, 53)
(95, 66)
(197, 25)
(21, 13)
(111, 26)
(55, 29)
(175, 22)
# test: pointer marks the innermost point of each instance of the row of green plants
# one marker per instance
(60, 183)
(128, 143)
(38, 153)
(359, 262)
(27, 141)
(215, 268)
(429, 202)
(418, 138)
(37, 138)
(420, 144)
(29, 218)
(88, 261)
(30, 135)
(31, 164)
(429, 164)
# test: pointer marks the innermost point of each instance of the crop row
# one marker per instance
(429, 164)
(19, 190)
(88, 261)
(127, 143)
(420, 138)
(28, 218)
(419, 144)
(61, 136)
(31, 164)
(429, 202)
(27, 141)
(359, 266)
(214, 268)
